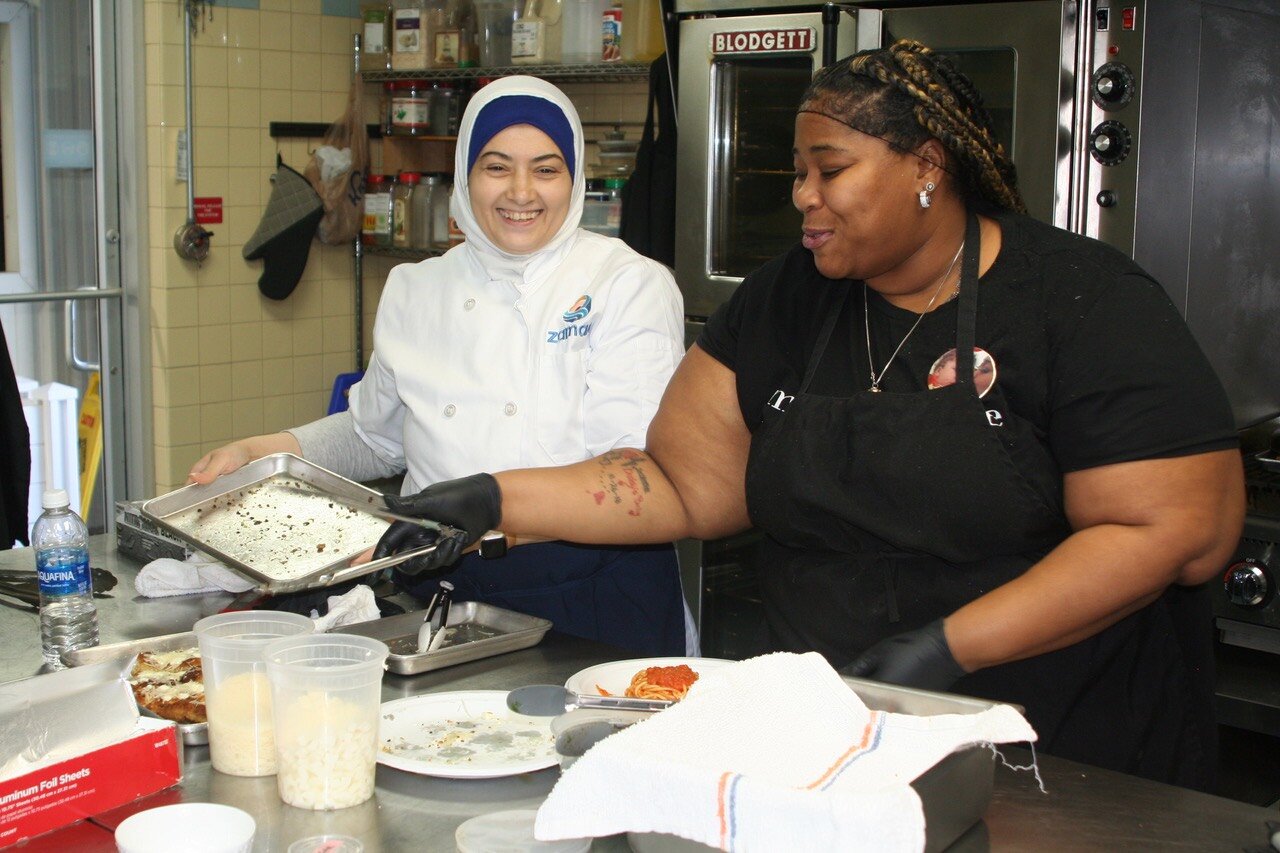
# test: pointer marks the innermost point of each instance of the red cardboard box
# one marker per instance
(146, 761)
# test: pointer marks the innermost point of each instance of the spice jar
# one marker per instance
(411, 108)
(446, 109)
(402, 210)
(409, 49)
(420, 232)
(376, 35)
(377, 212)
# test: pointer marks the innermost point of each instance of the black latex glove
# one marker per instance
(919, 658)
(472, 504)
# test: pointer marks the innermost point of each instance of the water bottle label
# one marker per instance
(62, 577)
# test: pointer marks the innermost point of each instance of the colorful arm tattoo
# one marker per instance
(622, 479)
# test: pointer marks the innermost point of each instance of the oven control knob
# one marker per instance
(1109, 143)
(1246, 583)
(1113, 86)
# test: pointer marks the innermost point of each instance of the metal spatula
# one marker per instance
(549, 700)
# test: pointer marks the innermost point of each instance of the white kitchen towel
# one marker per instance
(772, 753)
(198, 573)
(355, 605)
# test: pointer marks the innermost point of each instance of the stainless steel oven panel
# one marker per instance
(709, 136)
(722, 7)
(1040, 39)
(1112, 101)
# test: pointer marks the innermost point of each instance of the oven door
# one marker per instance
(1020, 56)
(741, 79)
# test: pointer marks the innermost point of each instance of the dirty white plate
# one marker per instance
(463, 735)
(615, 676)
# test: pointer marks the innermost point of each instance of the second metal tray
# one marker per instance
(479, 630)
(262, 522)
(192, 734)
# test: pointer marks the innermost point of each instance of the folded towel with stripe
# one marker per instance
(772, 753)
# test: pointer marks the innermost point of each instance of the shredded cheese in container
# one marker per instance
(242, 738)
(327, 752)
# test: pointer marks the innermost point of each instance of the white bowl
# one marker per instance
(190, 827)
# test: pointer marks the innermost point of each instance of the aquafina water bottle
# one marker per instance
(68, 616)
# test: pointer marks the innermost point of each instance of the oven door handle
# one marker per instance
(830, 23)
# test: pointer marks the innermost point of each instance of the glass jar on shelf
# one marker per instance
(446, 109)
(445, 19)
(441, 221)
(420, 232)
(411, 108)
(376, 231)
(402, 209)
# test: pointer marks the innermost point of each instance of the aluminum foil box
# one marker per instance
(42, 800)
(72, 746)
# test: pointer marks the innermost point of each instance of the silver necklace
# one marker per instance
(866, 319)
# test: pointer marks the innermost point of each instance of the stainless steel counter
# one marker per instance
(1084, 809)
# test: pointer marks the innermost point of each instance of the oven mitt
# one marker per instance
(283, 238)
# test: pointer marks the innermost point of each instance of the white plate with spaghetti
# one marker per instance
(615, 677)
(463, 735)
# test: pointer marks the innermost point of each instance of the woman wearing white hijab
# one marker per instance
(533, 343)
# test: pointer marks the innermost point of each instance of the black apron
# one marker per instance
(885, 511)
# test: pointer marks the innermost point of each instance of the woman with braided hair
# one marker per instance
(986, 454)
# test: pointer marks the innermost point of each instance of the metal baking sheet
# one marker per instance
(262, 522)
(192, 734)
(479, 630)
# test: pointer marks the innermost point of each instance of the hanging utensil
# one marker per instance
(191, 240)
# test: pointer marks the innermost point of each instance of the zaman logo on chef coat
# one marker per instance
(577, 311)
(793, 40)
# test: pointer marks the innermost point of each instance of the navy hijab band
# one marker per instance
(504, 112)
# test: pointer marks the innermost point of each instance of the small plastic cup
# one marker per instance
(326, 691)
(192, 827)
(236, 692)
(327, 844)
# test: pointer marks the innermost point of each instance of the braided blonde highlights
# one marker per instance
(920, 96)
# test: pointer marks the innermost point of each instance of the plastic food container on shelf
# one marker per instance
(494, 22)
(582, 23)
(410, 113)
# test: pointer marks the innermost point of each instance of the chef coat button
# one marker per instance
(450, 410)
(469, 304)
(509, 409)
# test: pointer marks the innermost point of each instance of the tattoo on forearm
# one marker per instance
(622, 480)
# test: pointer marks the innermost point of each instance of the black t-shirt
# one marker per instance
(1088, 348)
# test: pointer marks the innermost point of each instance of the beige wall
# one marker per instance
(226, 361)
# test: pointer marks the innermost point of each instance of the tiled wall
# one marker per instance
(228, 362)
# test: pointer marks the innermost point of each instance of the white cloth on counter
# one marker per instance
(196, 574)
(772, 753)
(355, 605)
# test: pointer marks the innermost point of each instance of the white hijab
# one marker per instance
(500, 264)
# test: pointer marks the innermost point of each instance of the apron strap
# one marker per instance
(820, 346)
(967, 312)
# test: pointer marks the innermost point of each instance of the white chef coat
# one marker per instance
(480, 371)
